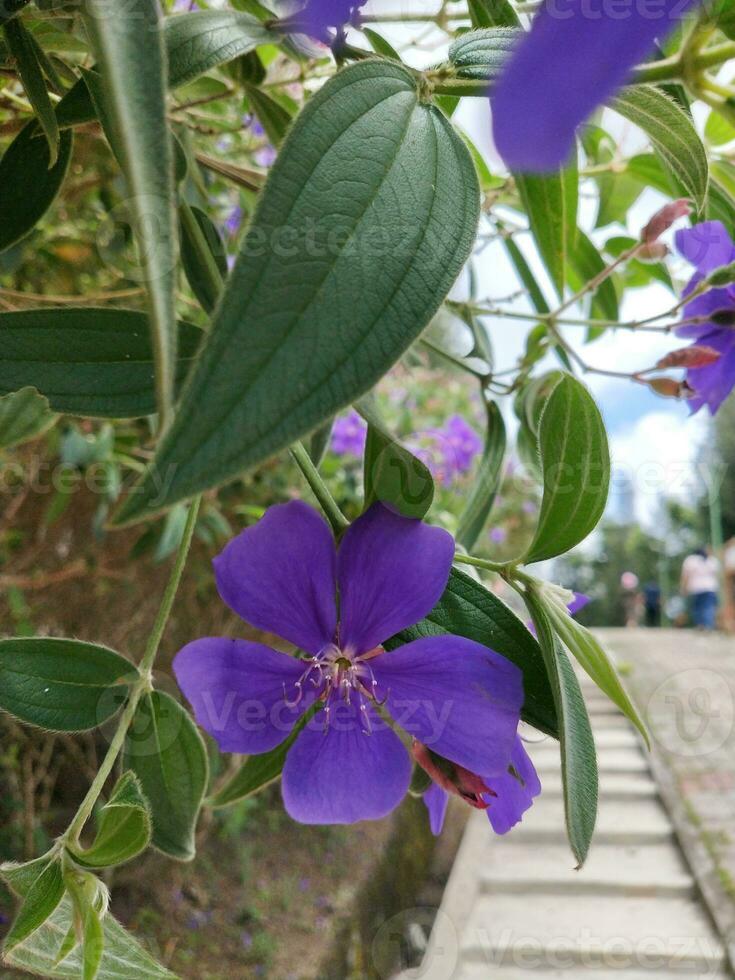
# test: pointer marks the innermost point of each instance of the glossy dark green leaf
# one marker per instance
(39, 903)
(673, 136)
(391, 473)
(576, 469)
(468, 609)
(205, 287)
(87, 361)
(578, 754)
(24, 414)
(316, 240)
(28, 184)
(24, 51)
(482, 54)
(199, 41)
(486, 482)
(127, 41)
(62, 685)
(166, 752)
(123, 827)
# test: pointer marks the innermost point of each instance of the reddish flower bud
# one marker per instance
(694, 356)
(652, 252)
(664, 219)
(451, 777)
(670, 388)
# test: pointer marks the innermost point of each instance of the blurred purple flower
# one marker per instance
(233, 220)
(572, 60)
(266, 156)
(529, 507)
(349, 434)
(462, 444)
(320, 15)
(708, 246)
(346, 764)
(184, 5)
(498, 535)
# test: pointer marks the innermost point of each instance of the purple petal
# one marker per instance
(236, 690)
(318, 15)
(579, 601)
(392, 571)
(574, 57)
(706, 305)
(280, 576)
(341, 774)
(436, 801)
(457, 697)
(514, 795)
(714, 382)
(706, 245)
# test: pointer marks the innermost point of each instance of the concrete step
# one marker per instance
(630, 822)
(613, 786)
(670, 935)
(651, 870)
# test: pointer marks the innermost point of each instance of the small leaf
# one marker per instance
(40, 901)
(380, 46)
(468, 609)
(199, 41)
(23, 49)
(24, 414)
(272, 115)
(205, 287)
(62, 685)
(483, 54)
(87, 361)
(406, 228)
(673, 135)
(28, 183)
(166, 752)
(123, 827)
(493, 13)
(319, 443)
(590, 655)
(89, 922)
(578, 755)
(586, 263)
(392, 474)
(576, 469)
(486, 482)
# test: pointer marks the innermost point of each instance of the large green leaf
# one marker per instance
(24, 414)
(166, 752)
(482, 54)
(123, 827)
(576, 469)
(358, 267)
(39, 903)
(24, 51)
(578, 754)
(468, 609)
(28, 182)
(199, 41)
(86, 361)
(673, 135)
(128, 43)
(62, 685)
(486, 482)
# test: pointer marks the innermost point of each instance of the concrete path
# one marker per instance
(515, 908)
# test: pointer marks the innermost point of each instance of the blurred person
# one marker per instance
(652, 603)
(699, 585)
(632, 599)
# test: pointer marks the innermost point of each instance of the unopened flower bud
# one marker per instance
(694, 356)
(664, 219)
(722, 276)
(670, 388)
(723, 318)
(451, 777)
(652, 252)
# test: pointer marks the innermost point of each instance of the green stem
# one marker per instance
(141, 686)
(489, 566)
(326, 501)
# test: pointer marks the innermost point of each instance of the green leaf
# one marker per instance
(492, 13)
(578, 755)
(590, 655)
(527, 278)
(28, 182)
(62, 685)
(199, 41)
(39, 902)
(166, 752)
(87, 917)
(717, 130)
(673, 136)
(391, 473)
(468, 609)
(23, 49)
(483, 54)
(486, 482)
(202, 285)
(576, 469)
(380, 46)
(128, 43)
(123, 827)
(123, 957)
(24, 414)
(319, 443)
(586, 263)
(406, 228)
(550, 201)
(272, 115)
(87, 361)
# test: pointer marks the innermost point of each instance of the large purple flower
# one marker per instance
(577, 54)
(285, 576)
(708, 246)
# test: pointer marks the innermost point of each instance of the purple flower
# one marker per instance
(498, 535)
(346, 764)
(318, 15)
(349, 435)
(461, 444)
(233, 220)
(708, 246)
(576, 55)
(504, 796)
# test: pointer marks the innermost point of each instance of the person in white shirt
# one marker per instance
(700, 584)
